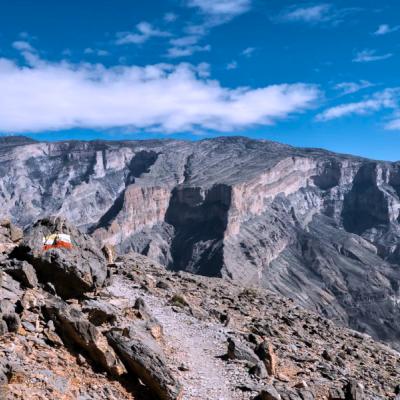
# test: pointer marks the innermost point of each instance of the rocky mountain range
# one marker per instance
(317, 227)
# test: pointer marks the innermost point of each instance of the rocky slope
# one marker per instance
(318, 227)
(148, 333)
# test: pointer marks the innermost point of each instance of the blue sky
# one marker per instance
(319, 74)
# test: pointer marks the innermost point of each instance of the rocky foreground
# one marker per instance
(81, 323)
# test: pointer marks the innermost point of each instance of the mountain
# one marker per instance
(320, 228)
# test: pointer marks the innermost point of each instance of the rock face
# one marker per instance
(315, 226)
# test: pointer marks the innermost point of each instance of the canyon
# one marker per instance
(317, 227)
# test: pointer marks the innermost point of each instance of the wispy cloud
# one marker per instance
(185, 46)
(387, 99)
(144, 31)
(384, 29)
(232, 65)
(369, 55)
(221, 10)
(163, 97)
(170, 17)
(352, 87)
(393, 125)
(248, 52)
(314, 13)
(186, 51)
(310, 13)
(97, 52)
(27, 51)
(212, 14)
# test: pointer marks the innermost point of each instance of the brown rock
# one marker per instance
(266, 353)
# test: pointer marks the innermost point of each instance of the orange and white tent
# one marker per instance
(57, 240)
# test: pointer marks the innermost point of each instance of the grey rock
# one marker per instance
(76, 330)
(259, 370)
(144, 358)
(28, 326)
(336, 394)
(354, 391)
(100, 312)
(239, 351)
(22, 271)
(269, 393)
(72, 271)
(306, 394)
(3, 326)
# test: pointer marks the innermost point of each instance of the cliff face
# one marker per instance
(318, 227)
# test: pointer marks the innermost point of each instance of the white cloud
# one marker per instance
(232, 65)
(170, 17)
(387, 99)
(214, 13)
(225, 9)
(352, 87)
(314, 13)
(97, 52)
(368, 55)
(186, 51)
(310, 13)
(186, 46)
(144, 32)
(393, 125)
(164, 97)
(384, 29)
(248, 52)
(27, 51)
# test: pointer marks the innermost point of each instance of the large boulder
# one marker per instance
(144, 358)
(10, 294)
(77, 331)
(21, 271)
(10, 235)
(73, 270)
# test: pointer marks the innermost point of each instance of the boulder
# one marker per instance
(259, 370)
(354, 390)
(266, 354)
(239, 351)
(10, 235)
(21, 271)
(149, 322)
(269, 393)
(336, 394)
(144, 358)
(10, 295)
(75, 330)
(100, 312)
(73, 271)
(10, 289)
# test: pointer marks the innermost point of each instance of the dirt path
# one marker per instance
(195, 344)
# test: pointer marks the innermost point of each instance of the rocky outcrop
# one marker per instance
(318, 227)
(73, 271)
